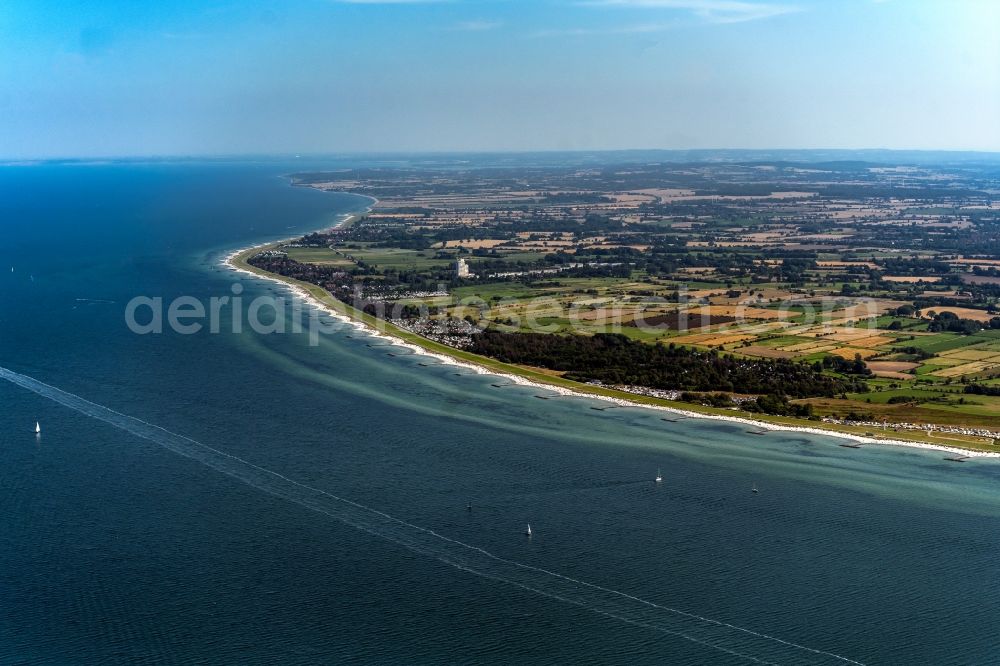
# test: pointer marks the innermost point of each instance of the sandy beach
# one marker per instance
(229, 261)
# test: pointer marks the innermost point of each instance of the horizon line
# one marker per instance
(292, 154)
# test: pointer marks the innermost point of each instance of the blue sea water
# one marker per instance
(317, 514)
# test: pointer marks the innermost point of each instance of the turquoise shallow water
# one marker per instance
(330, 524)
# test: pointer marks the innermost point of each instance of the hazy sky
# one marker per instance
(94, 78)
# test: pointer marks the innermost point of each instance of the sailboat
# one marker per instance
(527, 532)
(38, 428)
(754, 489)
(659, 477)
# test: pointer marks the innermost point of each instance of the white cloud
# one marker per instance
(714, 11)
(638, 28)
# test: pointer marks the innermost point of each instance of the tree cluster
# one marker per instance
(617, 359)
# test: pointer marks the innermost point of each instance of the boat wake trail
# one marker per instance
(738, 642)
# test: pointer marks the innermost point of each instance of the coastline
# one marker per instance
(236, 261)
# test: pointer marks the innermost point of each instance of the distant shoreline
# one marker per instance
(237, 261)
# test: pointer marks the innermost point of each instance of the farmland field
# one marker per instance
(826, 278)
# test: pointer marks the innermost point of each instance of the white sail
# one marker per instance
(659, 477)
(528, 531)
(38, 427)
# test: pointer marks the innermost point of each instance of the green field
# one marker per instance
(317, 255)
(399, 259)
(937, 343)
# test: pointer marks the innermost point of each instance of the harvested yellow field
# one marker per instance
(723, 300)
(963, 313)
(541, 245)
(909, 279)
(850, 352)
(947, 361)
(800, 330)
(666, 193)
(593, 300)
(827, 329)
(720, 340)
(850, 335)
(864, 309)
(633, 199)
(888, 374)
(774, 293)
(767, 327)
(809, 331)
(985, 262)
(603, 246)
(873, 341)
(965, 369)
(969, 354)
(765, 236)
(817, 350)
(702, 293)
(766, 352)
(738, 311)
(891, 366)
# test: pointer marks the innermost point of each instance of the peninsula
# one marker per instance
(853, 297)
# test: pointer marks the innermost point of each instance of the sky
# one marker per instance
(91, 78)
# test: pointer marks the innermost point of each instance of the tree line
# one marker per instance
(616, 359)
